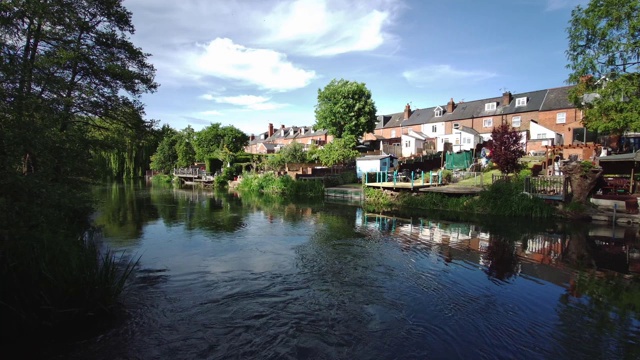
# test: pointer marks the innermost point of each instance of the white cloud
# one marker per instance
(211, 113)
(251, 102)
(444, 74)
(325, 28)
(267, 69)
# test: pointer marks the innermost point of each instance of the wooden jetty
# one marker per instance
(346, 193)
(194, 176)
(402, 181)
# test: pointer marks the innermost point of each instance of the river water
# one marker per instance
(226, 277)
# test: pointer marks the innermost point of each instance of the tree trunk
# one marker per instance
(582, 180)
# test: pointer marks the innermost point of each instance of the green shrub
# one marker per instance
(377, 200)
(270, 184)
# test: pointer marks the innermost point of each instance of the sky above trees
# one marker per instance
(253, 62)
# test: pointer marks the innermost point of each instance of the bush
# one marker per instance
(272, 185)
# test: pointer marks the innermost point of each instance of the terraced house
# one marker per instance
(274, 139)
(544, 117)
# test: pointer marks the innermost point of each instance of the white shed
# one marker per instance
(375, 163)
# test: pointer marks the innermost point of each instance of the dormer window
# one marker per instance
(438, 111)
(263, 136)
(521, 101)
(456, 126)
(490, 106)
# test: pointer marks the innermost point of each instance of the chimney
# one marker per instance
(270, 129)
(450, 106)
(407, 111)
(252, 137)
(282, 126)
(506, 98)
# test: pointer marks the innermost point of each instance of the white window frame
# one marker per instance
(393, 133)
(561, 118)
(438, 112)
(490, 106)
(466, 140)
(521, 101)
(456, 126)
(407, 143)
(541, 136)
(516, 119)
(488, 122)
(434, 128)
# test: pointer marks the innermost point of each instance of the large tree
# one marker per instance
(507, 148)
(65, 64)
(216, 140)
(603, 54)
(345, 108)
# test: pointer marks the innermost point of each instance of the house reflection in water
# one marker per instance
(544, 255)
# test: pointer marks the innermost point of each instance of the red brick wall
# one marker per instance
(573, 120)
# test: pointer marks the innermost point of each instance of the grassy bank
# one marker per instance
(502, 198)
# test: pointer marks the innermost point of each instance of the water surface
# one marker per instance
(225, 277)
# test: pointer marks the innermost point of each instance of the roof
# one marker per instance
(469, 130)
(374, 157)
(534, 102)
(621, 157)
(557, 98)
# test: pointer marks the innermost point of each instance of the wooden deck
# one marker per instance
(193, 176)
(397, 181)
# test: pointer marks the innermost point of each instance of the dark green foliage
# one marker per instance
(507, 148)
(70, 87)
(603, 57)
(345, 108)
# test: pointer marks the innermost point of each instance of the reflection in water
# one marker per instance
(223, 276)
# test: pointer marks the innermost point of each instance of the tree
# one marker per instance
(166, 156)
(219, 142)
(345, 108)
(184, 147)
(65, 65)
(293, 153)
(507, 148)
(604, 54)
(339, 151)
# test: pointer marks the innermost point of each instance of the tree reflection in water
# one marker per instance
(501, 259)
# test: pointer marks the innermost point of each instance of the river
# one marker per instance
(226, 277)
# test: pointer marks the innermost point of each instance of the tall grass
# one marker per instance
(283, 186)
(53, 288)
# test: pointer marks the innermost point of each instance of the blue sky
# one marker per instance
(248, 63)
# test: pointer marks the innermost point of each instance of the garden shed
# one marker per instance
(375, 163)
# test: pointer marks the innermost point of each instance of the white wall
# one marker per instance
(461, 141)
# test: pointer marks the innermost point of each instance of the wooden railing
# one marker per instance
(548, 187)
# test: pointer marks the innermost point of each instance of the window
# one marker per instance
(487, 122)
(434, 128)
(393, 133)
(457, 141)
(489, 106)
(456, 125)
(542, 136)
(515, 121)
(522, 101)
(407, 143)
(561, 118)
(466, 140)
(438, 111)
